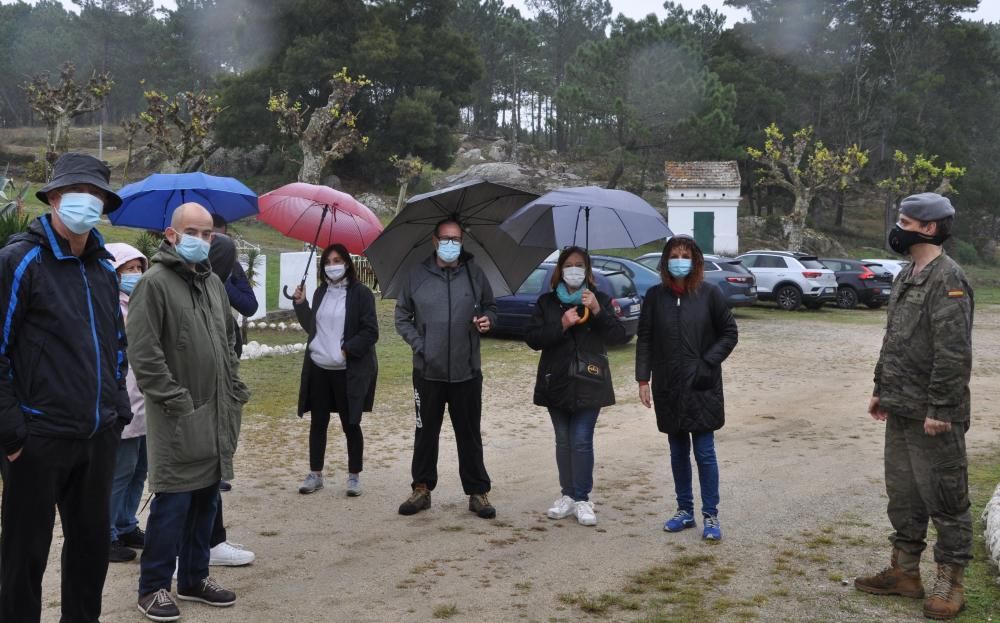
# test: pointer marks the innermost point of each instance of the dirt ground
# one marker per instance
(803, 505)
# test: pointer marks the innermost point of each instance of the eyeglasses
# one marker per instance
(450, 239)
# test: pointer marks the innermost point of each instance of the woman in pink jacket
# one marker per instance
(129, 478)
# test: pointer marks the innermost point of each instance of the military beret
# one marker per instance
(927, 207)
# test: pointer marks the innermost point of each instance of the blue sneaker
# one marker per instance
(713, 531)
(682, 520)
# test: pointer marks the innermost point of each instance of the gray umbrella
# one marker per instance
(479, 206)
(588, 216)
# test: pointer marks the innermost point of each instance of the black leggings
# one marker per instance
(328, 393)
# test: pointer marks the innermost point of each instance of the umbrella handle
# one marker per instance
(284, 290)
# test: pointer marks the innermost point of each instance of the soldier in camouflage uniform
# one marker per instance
(922, 394)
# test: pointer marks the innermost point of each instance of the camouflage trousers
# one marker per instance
(927, 477)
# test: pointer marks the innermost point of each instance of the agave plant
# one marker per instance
(148, 242)
(12, 223)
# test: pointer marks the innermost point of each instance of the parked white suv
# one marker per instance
(791, 279)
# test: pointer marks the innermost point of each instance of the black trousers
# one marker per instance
(75, 476)
(328, 393)
(465, 407)
(218, 528)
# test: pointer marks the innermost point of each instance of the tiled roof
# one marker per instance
(703, 174)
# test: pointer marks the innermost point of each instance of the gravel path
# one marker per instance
(802, 506)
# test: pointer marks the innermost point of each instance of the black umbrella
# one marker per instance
(479, 206)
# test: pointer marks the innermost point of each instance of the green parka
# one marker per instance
(180, 347)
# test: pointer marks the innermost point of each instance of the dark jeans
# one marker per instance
(127, 485)
(328, 393)
(465, 406)
(75, 476)
(927, 478)
(575, 451)
(179, 527)
(708, 471)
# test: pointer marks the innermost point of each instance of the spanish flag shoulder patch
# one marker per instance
(956, 294)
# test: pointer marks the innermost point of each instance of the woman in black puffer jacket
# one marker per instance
(685, 333)
(571, 326)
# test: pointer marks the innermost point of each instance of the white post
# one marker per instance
(292, 265)
(260, 284)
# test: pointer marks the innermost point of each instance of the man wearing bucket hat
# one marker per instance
(63, 398)
(922, 394)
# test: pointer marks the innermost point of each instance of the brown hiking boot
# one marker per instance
(947, 598)
(480, 505)
(902, 577)
(418, 501)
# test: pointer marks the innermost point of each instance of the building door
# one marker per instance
(704, 231)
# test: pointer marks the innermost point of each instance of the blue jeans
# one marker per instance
(708, 471)
(179, 526)
(127, 484)
(575, 451)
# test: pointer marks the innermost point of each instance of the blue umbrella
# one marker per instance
(150, 203)
(589, 216)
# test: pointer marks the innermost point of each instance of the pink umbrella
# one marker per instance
(320, 216)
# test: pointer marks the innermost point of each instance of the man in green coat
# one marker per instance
(922, 394)
(181, 349)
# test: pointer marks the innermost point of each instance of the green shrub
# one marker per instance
(962, 251)
(37, 171)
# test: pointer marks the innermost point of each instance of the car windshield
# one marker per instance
(534, 282)
(812, 263)
(621, 285)
(652, 263)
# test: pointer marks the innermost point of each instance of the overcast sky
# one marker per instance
(989, 10)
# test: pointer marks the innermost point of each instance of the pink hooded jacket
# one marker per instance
(124, 253)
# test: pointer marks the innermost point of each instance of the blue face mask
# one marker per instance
(192, 248)
(449, 251)
(128, 281)
(80, 212)
(679, 267)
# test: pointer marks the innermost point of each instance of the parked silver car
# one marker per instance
(791, 279)
(893, 266)
(735, 281)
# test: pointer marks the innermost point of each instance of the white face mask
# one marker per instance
(574, 276)
(335, 272)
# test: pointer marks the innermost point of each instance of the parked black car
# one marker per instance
(514, 310)
(736, 282)
(860, 282)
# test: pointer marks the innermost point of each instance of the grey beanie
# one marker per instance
(926, 207)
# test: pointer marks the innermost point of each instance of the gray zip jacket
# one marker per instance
(434, 315)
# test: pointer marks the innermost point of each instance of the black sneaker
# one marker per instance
(419, 500)
(135, 539)
(159, 606)
(119, 553)
(208, 592)
(480, 505)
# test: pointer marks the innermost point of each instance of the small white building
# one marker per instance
(702, 199)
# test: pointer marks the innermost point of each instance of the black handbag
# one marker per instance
(590, 368)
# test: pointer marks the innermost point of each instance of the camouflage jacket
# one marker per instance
(926, 359)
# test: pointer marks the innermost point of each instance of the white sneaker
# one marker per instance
(561, 508)
(585, 513)
(228, 554)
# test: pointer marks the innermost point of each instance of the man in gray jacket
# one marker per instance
(445, 304)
